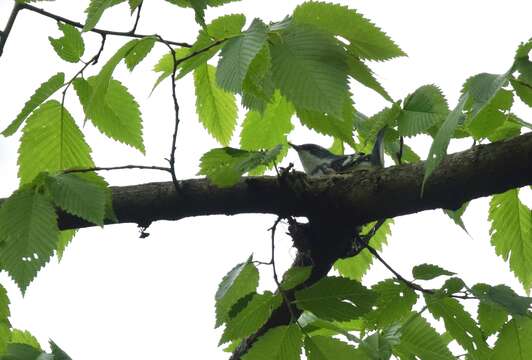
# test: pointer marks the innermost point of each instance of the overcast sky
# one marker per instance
(116, 296)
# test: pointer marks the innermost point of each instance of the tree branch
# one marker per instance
(360, 197)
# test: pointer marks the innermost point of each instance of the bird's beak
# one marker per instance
(292, 145)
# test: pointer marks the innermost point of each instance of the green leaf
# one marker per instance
(119, 116)
(58, 353)
(523, 90)
(139, 52)
(279, 343)
(509, 129)
(511, 233)
(504, 297)
(266, 130)
(218, 30)
(70, 47)
(24, 337)
(295, 276)
(326, 348)
(394, 302)
(199, 7)
(359, 71)
(258, 87)
(336, 298)
(237, 55)
(4, 304)
(166, 65)
(252, 317)
(365, 39)
(65, 237)
(242, 280)
(422, 109)
(309, 68)
(421, 340)
(101, 82)
(24, 352)
(315, 326)
(515, 341)
(134, 4)
(386, 117)
(459, 324)
(28, 233)
(491, 317)
(355, 267)
(41, 94)
(492, 116)
(429, 272)
(51, 141)
(338, 127)
(438, 148)
(452, 286)
(95, 11)
(215, 107)
(187, 3)
(78, 195)
(225, 166)
(456, 215)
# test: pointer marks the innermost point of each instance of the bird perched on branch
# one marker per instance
(320, 161)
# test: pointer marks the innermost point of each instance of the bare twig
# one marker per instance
(95, 30)
(409, 283)
(139, 9)
(123, 167)
(5, 33)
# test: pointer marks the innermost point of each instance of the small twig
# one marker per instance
(275, 277)
(123, 167)
(171, 161)
(95, 30)
(132, 31)
(5, 34)
(409, 283)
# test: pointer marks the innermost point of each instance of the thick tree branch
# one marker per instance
(361, 197)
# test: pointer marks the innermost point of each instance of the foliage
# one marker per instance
(297, 67)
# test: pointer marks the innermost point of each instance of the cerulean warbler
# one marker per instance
(319, 161)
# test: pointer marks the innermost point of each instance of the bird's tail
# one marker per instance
(377, 154)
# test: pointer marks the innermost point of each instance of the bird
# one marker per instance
(318, 161)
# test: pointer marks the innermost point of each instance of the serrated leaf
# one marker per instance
(218, 30)
(58, 353)
(186, 3)
(459, 324)
(309, 68)
(24, 337)
(95, 11)
(315, 326)
(258, 87)
(419, 340)
(101, 81)
(166, 65)
(78, 195)
(242, 280)
(511, 233)
(225, 166)
(452, 286)
(366, 40)
(523, 90)
(336, 298)
(266, 130)
(355, 267)
(394, 302)
(338, 127)
(4, 305)
(429, 272)
(386, 117)
(515, 341)
(237, 55)
(139, 52)
(359, 71)
(134, 4)
(509, 129)
(51, 141)
(504, 297)
(70, 47)
(438, 148)
(491, 317)
(295, 276)
(422, 109)
(28, 233)
(279, 343)
(456, 215)
(119, 116)
(326, 348)
(492, 116)
(199, 7)
(216, 108)
(24, 352)
(41, 94)
(65, 237)
(252, 317)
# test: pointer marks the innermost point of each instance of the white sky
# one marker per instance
(116, 296)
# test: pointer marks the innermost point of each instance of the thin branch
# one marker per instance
(171, 160)
(95, 30)
(123, 167)
(5, 34)
(409, 283)
(139, 9)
